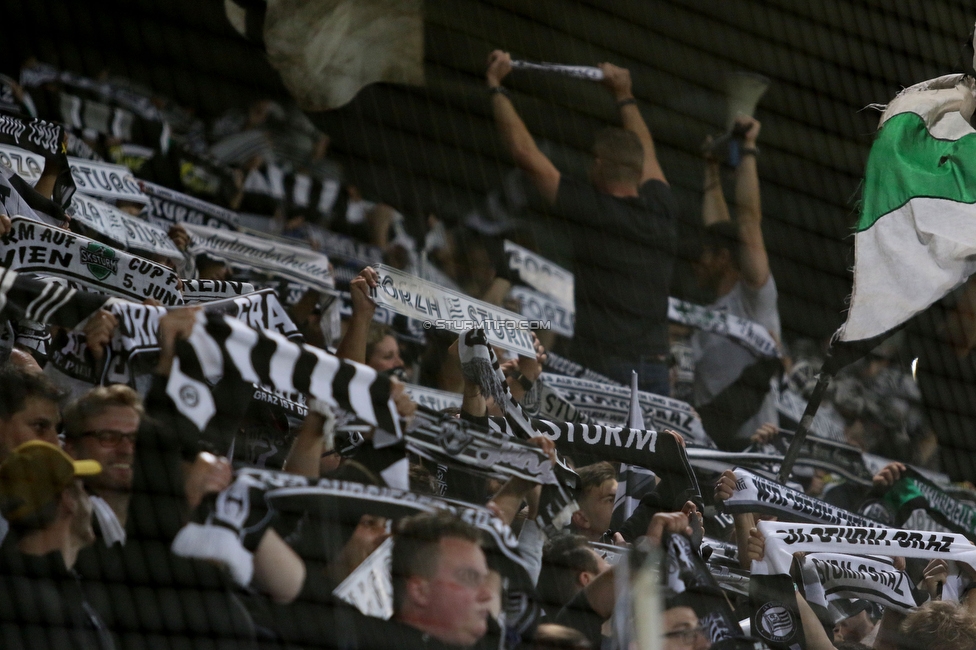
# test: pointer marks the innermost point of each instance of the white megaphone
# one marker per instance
(743, 90)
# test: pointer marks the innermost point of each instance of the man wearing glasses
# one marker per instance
(102, 425)
(683, 630)
(443, 592)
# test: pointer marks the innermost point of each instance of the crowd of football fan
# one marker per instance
(94, 491)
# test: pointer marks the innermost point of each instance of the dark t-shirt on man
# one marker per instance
(623, 251)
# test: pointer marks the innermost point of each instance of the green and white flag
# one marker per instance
(916, 236)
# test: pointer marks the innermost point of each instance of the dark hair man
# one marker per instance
(442, 590)
(42, 604)
(622, 225)
(440, 579)
(598, 490)
(28, 408)
(28, 411)
(568, 565)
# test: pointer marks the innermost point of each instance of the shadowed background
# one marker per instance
(435, 148)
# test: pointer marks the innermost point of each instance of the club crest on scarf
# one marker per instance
(100, 260)
(776, 623)
(454, 438)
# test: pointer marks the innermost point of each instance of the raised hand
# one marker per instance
(888, 476)
(617, 80)
(749, 127)
(98, 332)
(499, 65)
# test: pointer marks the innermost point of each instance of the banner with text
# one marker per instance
(849, 576)
(416, 298)
(271, 256)
(784, 539)
(757, 494)
(48, 251)
(611, 405)
(26, 164)
(542, 275)
(751, 335)
(195, 291)
(176, 207)
(537, 306)
(106, 181)
(122, 228)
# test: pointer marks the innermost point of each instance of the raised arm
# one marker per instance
(617, 80)
(753, 260)
(519, 142)
(352, 347)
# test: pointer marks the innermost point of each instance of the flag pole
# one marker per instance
(823, 379)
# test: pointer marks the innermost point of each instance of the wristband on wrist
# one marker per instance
(499, 90)
(626, 102)
(524, 382)
(749, 151)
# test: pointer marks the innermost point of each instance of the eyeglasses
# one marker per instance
(468, 578)
(686, 636)
(108, 438)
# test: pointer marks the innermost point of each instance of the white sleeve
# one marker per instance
(761, 305)
(531, 541)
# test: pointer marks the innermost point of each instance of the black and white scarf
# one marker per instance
(273, 256)
(106, 181)
(548, 404)
(425, 301)
(749, 334)
(834, 576)
(754, 493)
(588, 72)
(690, 582)
(26, 164)
(124, 230)
(171, 206)
(610, 404)
(536, 306)
(459, 443)
(224, 356)
(775, 615)
(785, 539)
(25, 298)
(138, 331)
(45, 139)
(228, 529)
(196, 291)
(49, 251)
(480, 366)
(541, 274)
(104, 219)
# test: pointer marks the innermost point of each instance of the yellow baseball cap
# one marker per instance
(35, 474)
